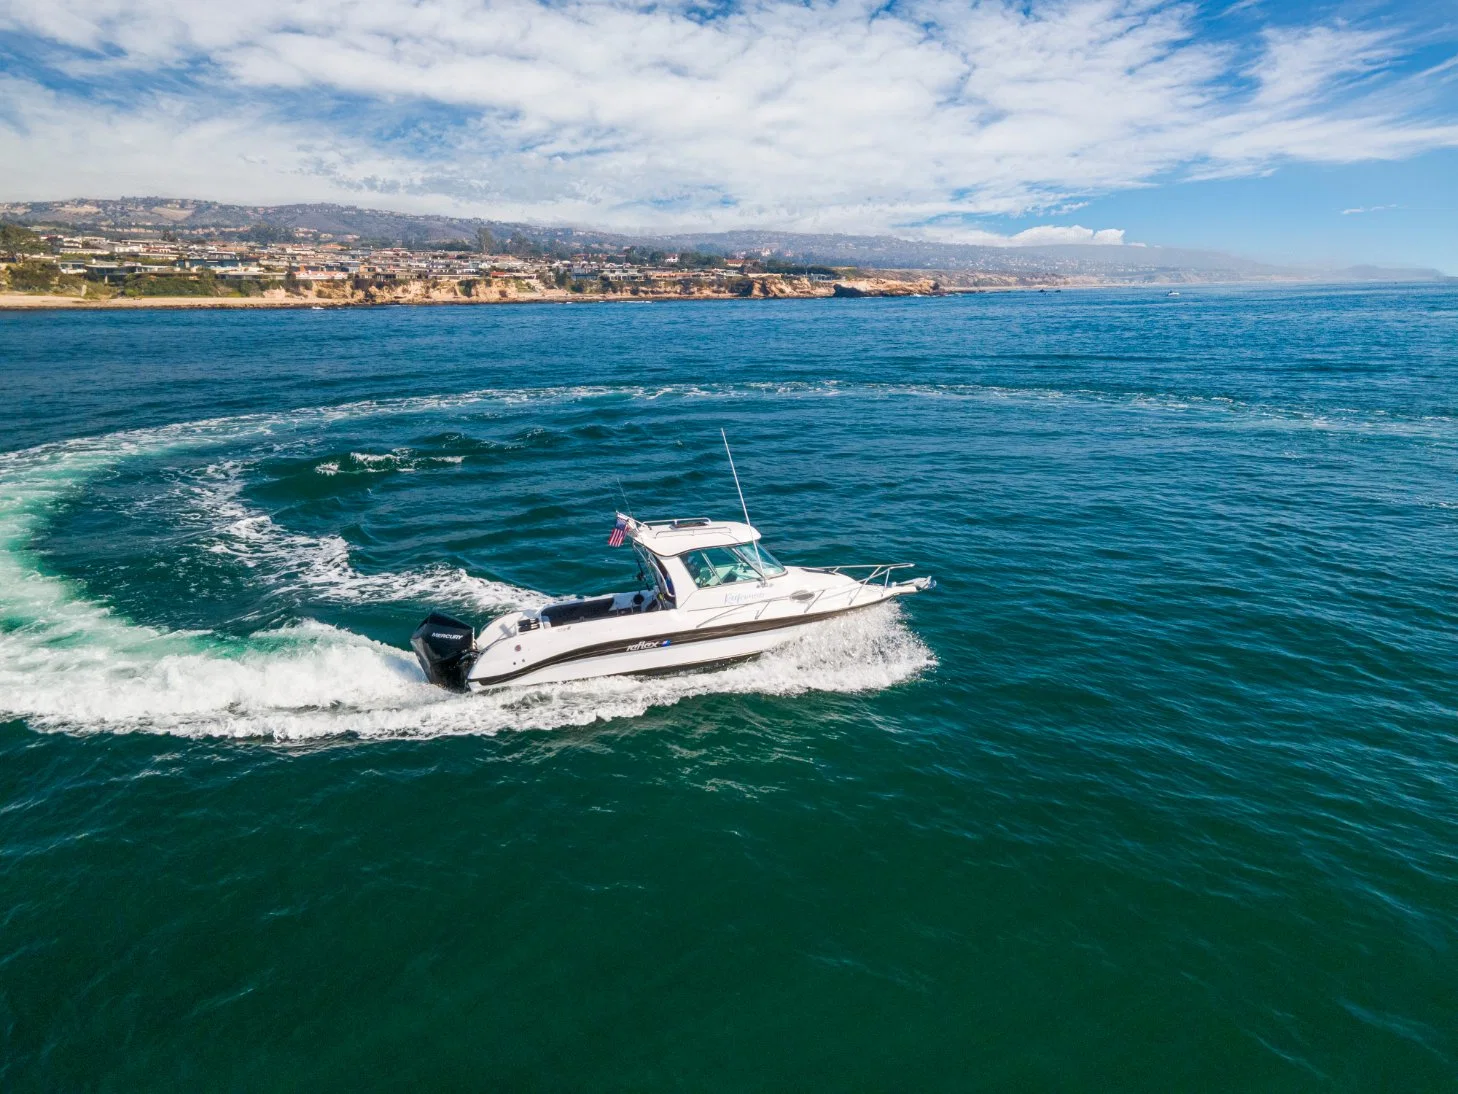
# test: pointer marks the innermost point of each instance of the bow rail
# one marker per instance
(878, 571)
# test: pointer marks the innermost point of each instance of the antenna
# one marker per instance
(758, 562)
(626, 507)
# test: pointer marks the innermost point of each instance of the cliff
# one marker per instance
(362, 291)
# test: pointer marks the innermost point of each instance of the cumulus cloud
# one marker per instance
(1048, 233)
(1041, 235)
(826, 115)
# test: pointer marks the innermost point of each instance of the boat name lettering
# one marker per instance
(743, 598)
(645, 645)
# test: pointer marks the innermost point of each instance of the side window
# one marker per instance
(698, 569)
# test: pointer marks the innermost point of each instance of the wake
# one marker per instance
(68, 664)
(313, 681)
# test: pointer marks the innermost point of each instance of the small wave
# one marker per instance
(399, 459)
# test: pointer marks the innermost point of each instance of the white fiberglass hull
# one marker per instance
(516, 653)
(669, 656)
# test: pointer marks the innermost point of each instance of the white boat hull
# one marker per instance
(675, 656)
(665, 641)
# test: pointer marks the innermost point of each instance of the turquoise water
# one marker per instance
(1158, 790)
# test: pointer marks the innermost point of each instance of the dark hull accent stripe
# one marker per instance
(676, 638)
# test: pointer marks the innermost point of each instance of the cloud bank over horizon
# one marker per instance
(922, 118)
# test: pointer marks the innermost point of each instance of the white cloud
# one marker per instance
(1042, 235)
(1301, 66)
(1047, 233)
(822, 115)
(1366, 209)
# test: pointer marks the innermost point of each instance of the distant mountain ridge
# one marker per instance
(1125, 263)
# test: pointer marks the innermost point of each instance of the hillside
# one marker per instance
(1124, 263)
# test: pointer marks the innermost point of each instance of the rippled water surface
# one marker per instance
(1158, 790)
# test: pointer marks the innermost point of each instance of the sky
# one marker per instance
(1319, 132)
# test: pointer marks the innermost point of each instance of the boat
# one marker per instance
(1173, 292)
(710, 592)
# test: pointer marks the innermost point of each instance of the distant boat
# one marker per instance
(1173, 292)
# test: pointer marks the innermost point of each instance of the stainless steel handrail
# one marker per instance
(760, 604)
(882, 570)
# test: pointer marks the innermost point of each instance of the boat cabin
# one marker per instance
(681, 558)
(698, 553)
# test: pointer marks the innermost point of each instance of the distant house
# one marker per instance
(243, 273)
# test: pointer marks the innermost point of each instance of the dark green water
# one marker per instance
(1157, 791)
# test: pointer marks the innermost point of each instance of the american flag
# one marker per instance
(621, 527)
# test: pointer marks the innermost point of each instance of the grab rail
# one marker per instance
(732, 608)
(882, 570)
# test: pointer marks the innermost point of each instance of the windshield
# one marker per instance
(722, 565)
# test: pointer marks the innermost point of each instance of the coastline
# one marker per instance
(503, 291)
(413, 295)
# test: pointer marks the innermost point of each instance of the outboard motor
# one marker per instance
(444, 647)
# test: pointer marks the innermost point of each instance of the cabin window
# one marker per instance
(723, 565)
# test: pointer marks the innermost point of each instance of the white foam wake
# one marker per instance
(398, 459)
(313, 681)
(195, 685)
(321, 566)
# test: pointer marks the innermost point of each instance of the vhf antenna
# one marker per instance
(758, 562)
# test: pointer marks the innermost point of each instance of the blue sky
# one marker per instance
(1305, 132)
(1385, 212)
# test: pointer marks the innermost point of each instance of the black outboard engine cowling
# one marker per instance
(445, 647)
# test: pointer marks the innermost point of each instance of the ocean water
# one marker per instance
(1158, 790)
